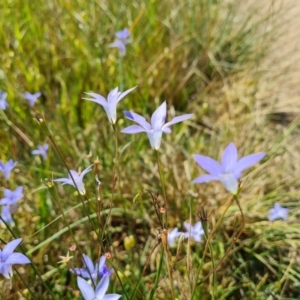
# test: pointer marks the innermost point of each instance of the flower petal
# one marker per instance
(155, 138)
(101, 263)
(80, 272)
(205, 178)
(208, 164)
(178, 119)
(187, 226)
(5, 201)
(120, 45)
(6, 215)
(125, 93)
(229, 158)
(17, 258)
(88, 264)
(172, 235)
(166, 129)
(36, 95)
(122, 34)
(111, 297)
(159, 117)
(11, 246)
(246, 162)
(198, 226)
(88, 169)
(138, 119)
(86, 290)
(230, 182)
(64, 181)
(6, 270)
(74, 175)
(112, 94)
(97, 99)
(102, 287)
(133, 129)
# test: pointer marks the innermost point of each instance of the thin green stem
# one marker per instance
(121, 74)
(207, 246)
(188, 260)
(27, 286)
(54, 195)
(115, 178)
(162, 184)
(142, 273)
(164, 241)
(157, 274)
(213, 267)
(234, 239)
(45, 128)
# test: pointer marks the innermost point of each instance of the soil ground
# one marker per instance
(284, 58)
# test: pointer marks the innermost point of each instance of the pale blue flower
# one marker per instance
(9, 203)
(195, 232)
(230, 170)
(32, 98)
(8, 258)
(278, 212)
(122, 39)
(3, 102)
(109, 105)
(6, 216)
(6, 168)
(41, 150)
(91, 271)
(88, 292)
(172, 235)
(77, 178)
(156, 128)
(12, 197)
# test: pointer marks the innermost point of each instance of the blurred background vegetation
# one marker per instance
(217, 59)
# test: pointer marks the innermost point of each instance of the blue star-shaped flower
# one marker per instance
(77, 178)
(91, 271)
(156, 128)
(172, 235)
(9, 258)
(122, 39)
(32, 98)
(278, 212)
(9, 203)
(109, 105)
(41, 150)
(230, 170)
(89, 293)
(12, 197)
(6, 168)
(195, 232)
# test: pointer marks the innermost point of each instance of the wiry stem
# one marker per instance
(234, 240)
(115, 177)
(45, 128)
(120, 63)
(207, 246)
(164, 241)
(157, 274)
(143, 271)
(162, 184)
